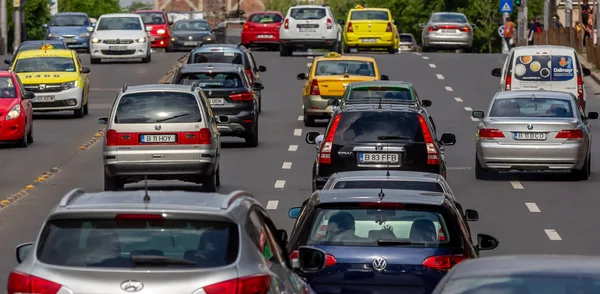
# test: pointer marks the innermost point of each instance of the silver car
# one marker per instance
(447, 30)
(407, 43)
(533, 130)
(157, 242)
(164, 132)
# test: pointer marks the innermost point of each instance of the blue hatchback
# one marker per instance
(73, 28)
(392, 241)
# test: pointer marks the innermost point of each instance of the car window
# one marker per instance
(21, 89)
(108, 243)
(376, 93)
(119, 23)
(389, 184)
(307, 13)
(405, 38)
(252, 63)
(66, 20)
(368, 126)
(191, 26)
(45, 64)
(261, 238)
(153, 107)
(528, 107)
(517, 284)
(7, 88)
(342, 67)
(558, 68)
(212, 80)
(206, 106)
(449, 17)
(218, 56)
(369, 15)
(152, 17)
(265, 18)
(37, 45)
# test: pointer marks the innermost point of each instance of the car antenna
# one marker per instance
(146, 196)
(381, 194)
(387, 172)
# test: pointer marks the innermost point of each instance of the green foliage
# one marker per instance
(36, 13)
(137, 5)
(93, 8)
(486, 16)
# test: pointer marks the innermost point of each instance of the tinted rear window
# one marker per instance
(406, 38)
(212, 80)
(368, 126)
(459, 18)
(342, 67)
(527, 107)
(113, 243)
(152, 17)
(534, 284)
(369, 15)
(308, 13)
(153, 107)
(387, 184)
(377, 93)
(558, 68)
(218, 57)
(265, 18)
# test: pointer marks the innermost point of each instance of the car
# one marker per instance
(187, 34)
(378, 136)
(73, 28)
(16, 120)
(262, 29)
(533, 130)
(568, 274)
(35, 45)
(543, 67)
(173, 241)
(370, 236)
(309, 27)
(327, 79)
(408, 43)
(230, 53)
(234, 102)
(169, 133)
(120, 36)
(447, 31)
(56, 77)
(370, 28)
(159, 26)
(382, 91)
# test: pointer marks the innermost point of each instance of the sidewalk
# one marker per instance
(595, 71)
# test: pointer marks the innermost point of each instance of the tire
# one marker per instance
(314, 177)
(86, 108)
(112, 183)
(285, 51)
(252, 137)
(345, 50)
(219, 177)
(209, 183)
(79, 113)
(584, 173)
(95, 60)
(23, 142)
(260, 103)
(308, 120)
(169, 48)
(30, 135)
(146, 59)
(391, 50)
(480, 172)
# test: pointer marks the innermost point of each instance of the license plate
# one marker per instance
(307, 30)
(190, 43)
(117, 48)
(448, 31)
(264, 36)
(159, 138)
(369, 40)
(43, 99)
(69, 40)
(216, 101)
(378, 158)
(530, 136)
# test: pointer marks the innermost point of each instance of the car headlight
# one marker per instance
(208, 38)
(161, 31)
(141, 40)
(173, 39)
(95, 40)
(53, 35)
(84, 34)
(69, 85)
(15, 112)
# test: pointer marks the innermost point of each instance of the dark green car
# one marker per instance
(385, 92)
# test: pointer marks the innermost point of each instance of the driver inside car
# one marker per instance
(341, 227)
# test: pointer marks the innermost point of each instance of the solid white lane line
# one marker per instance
(425, 57)
(552, 235)
(272, 204)
(516, 185)
(432, 65)
(301, 117)
(532, 207)
(286, 165)
(293, 148)
(439, 76)
(468, 108)
(449, 89)
(280, 184)
(298, 132)
(474, 119)
(458, 100)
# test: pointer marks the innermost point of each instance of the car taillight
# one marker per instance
(441, 235)
(507, 83)
(580, 87)
(433, 29)
(249, 74)
(111, 137)
(389, 27)
(325, 152)
(23, 283)
(329, 260)
(570, 134)
(443, 262)
(432, 151)
(286, 24)
(244, 96)
(259, 284)
(350, 29)
(329, 24)
(204, 136)
(314, 88)
(464, 29)
(246, 26)
(490, 134)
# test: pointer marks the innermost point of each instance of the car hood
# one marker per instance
(68, 30)
(183, 34)
(124, 34)
(6, 104)
(47, 77)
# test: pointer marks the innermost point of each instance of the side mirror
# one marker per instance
(28, 95)
(311, 259)
(385, 78)
(294, 212)
(93, 24)
(85, 70)
(586, 72)
(448, 139)
(262, 68)
(421, 25)
(319, 139)
(102, 120)
(170, 22)
(301, 76)
(148, 28)
(426, 103)
(311, 136)
(333, 102)
(90, 29)
(45, 26)
(472, 215)
(282, 237)
(258, 86)
(341, 22)
(497, 72)
(477, 114)
(592, 115)
(486, 242)
(22, 251)
(474, 25)
(7, 61)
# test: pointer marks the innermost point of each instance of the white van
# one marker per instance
(544, 67)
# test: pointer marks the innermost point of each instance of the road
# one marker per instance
(528, 214)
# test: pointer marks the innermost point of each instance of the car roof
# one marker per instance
(381, 83)
(148, 11)
(533, 94)
(383, 174)
(195, 67)
(71, 13)
(119, 15)
(345, 57)
(447, 12)
(157, 87)
(406, 34)
(46, 53)
(359, 107)
(42, 42)
(365, 8)
(551, 48)
(265, 12)
(372, 195)
(308, 6)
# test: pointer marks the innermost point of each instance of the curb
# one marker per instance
(92, 141)
(595, 75)
(42, 178)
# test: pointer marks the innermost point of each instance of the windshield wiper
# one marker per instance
(394, 242)
(159, 260)
(172, 117)
(384, 138)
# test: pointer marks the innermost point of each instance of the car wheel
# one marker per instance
(112, 183)
(252, 137)
(95, 60)
(86, 109)
(308, 120)
(169, 48)
(584, 173)
(260, 103)
(219, 177)
(79, 113)
(209, 184)
(285, 51)
(391, 50)
(314, 177)
(480, 172)
(30, 135)
(23, 143)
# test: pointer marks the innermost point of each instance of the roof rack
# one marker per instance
(70, 196)
(124, 87)
(233, 196)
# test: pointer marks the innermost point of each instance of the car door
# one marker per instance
(85, 78)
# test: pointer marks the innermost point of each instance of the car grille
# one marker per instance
(69, 36)
(125, 52)
(118, 41)
(194, 38)
(45, 88)
(59, 103)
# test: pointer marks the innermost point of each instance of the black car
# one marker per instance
(187, 34)
(35, 45)
(229, 53)
(378, 136)
(234, 101)
(383, 241)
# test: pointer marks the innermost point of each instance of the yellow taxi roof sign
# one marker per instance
(333, 54)
(358, 7)
(47, 47)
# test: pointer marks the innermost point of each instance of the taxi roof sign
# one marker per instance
(358, 7)
(47, 47)
(333, 54)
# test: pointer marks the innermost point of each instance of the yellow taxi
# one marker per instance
(56, 77)
(327, 80)
(370, 28)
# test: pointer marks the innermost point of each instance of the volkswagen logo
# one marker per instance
(157, 127)
(379, 263)
(42, 87)
(132, 286)
(378, 147)
(118, 41)
(529, 126)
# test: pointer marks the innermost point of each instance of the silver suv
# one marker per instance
(309, 27)
(164, 132)
(156, 242)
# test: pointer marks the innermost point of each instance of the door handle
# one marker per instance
(157, 156)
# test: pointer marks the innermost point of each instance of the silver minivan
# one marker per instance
(164, 132)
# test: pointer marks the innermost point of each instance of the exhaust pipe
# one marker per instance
(222, 119)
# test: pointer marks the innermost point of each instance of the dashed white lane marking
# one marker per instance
(298, 132)
(439, 76)
(286, 165)
(458, 100)
(293, 148)
(272, 204)
(468, 108)
(417, 53)
(432, 65)
(516, 185)
(309, 64)
(532, 207)
(449, 89)
(301, 117)
(474, 119)
(552, 235)
(280, 184)
(425, 57)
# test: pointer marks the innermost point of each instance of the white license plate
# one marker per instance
(264, 36)
(117, 48)
(530, 136)
(216, 101)
(70, 40)
(448, 31)
(369, 40)
(159, 138)
(307, 30)
(190, 43)
(378, 158)
(43, 99)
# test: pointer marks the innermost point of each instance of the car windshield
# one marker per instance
(369, 15)
(69, 21)
(152, 17)
(449, 17)
(377, 93)
(405, 38)
(128, 243)
(218, 57)
(36, 45)
(369, 126)
(528, 107)
(389, 184)
(191, 26)
(153, 107)
(119, 23)
(212, 80)
(265, 18)
(569, 283)
(45, 64)
(342, 67)
(7, 88)
(307, 13)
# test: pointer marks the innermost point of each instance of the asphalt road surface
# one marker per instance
(528, 213)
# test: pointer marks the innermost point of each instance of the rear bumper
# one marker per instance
(532, 157)
(316, 106)
(252, 38)
(447, 41)
(309, 43)
(238, 125)
(12, 130)
(384, 40)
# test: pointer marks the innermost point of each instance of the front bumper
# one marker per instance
(566, 156)
(316, 106)
(308, 43)
(13, 129)
(382, 41)
(102, 51)
(64, 100)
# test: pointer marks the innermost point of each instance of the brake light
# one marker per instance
(433, 29)
(325, 152)
(314, 88)
(570, 134)
(286, 24)
(259, 284)
(244, 96)
(443, 262)
(138, 216)
(111, 137)
(329, 24)
(389, 27)
(464, 29)
(204, 136)
(350, 29)
(490, 133)
(329, 260)
(249, 74)
(441, 235)
(508, 82)
(580, 88)
(23, 283)
(432, 151)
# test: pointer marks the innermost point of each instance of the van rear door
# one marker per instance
(553, 70)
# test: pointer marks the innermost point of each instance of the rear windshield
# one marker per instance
(138, 243)
(404, 38)
(364, 226)
(153, 107)
(218, 57)
(557, 68)
(152, 17)
(369, 15)
(449, 17)
(377, 93)
(37, 45)
(527, 107)
(308, 13)
(534, 284)
(265, 18)
(370, 126)
(387, 184)
(212, 80)
(342, 67)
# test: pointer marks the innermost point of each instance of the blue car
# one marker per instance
(73, 28)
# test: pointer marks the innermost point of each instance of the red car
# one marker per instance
(262, 29)
(160, 27)
(16, 112)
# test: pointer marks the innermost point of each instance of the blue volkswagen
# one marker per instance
(73, 28)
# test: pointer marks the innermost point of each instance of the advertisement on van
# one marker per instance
(544, 68)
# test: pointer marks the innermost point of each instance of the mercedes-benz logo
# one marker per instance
(42, 87)
(132, 286)
(157, 127)
(379, 263)
(529, 126)
(118, 41)
(378, 147)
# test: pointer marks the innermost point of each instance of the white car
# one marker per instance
(309, 27)
(120, 36)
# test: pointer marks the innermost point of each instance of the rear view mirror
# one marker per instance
(258, 86)
(426, 103)
(85, 70)
(22, 251)
(170, 22)
(7, 61)
(472, 215)
(311, 259)
(311, 136)
(301, 76)
(385, 78)
(592, 115)
(333, 102)
(421, 25)
(477, 114)
(486, 242)
(497, 72)
(148, 28)
(90, 29)
(28, 95)
(586, 72)
(261, 68)
(294, 212)
(319, 139)
(102, 120)
(473, 25)
(448, 139)
(93, 24)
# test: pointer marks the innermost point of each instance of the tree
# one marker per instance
(485, 14)
(137, 5)
(93, 8)
(36, 13)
